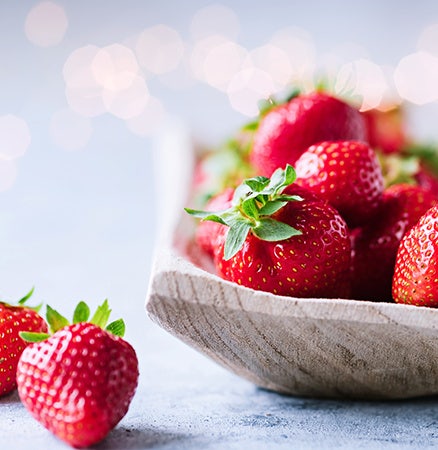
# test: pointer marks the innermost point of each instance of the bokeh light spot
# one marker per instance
(14, 137)
(77, 68)
(115, 67)
(159, 49)
(428, 40)
(129, 102)
(222, 62)
(69, 130)
(362, 80)
(415, 78)
(300, 49)
(247, 88)
(274, 61)
(46, 24)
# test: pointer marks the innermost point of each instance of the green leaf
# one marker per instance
(272, 207)
(290, 175)
(290, 198)
(235, 238)
(81, 313)
(117, 328)
(249, 208)
(101, 316)
(206, 215)
(251, 126)
(280, 179)
(257, 184)
(23, 300)
(55, 320)
(273, 230)
(30, 336)
(427, 153)
(241, 193)
(265, 105)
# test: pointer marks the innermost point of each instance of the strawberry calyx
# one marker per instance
(22, 302)
(398, 168)
(57, 321)
(426, 153)
(402, 167)
(255, 200)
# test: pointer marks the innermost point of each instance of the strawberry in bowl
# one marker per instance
(281, 238)
(288, 129)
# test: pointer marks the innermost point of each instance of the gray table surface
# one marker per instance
(186, 401)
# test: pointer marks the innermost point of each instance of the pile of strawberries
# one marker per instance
(78, 380)
(317, 199)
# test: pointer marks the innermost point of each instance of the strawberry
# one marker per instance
(282, 239)
(287, 130)
(416, 164)
(208, 232)
(79, 381)
(347, 174)
(13, 320)
(386, 130)
(375, 245)
(415, 279)
(426, 178)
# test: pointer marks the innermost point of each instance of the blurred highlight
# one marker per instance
(46, 24)
(117, 78)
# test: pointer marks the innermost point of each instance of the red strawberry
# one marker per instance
(80, 381)
(386, 130)
(287, 130)
(347, 174)
(283, 239)
(415, 279)
(427, 179)
(375, 245)
(13, 320)
(208, 232)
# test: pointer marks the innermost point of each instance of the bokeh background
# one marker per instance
(88, 90)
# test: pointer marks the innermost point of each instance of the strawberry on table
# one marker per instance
(415, 280)
(375, 245)
(347, 174)
(287, 130)
(13, 320)
(79, 381)
(282, 239)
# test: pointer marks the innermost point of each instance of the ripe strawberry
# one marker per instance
(347, 174)
(80, 381)
(287, 130)
(415, 279)
(375, 245)
(208, 232)
(13, 320)
(427, 179)
(282, 239)
(386, 130)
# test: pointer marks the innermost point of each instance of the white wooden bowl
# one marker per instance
(309, 347)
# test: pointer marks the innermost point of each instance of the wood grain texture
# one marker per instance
(309, 347)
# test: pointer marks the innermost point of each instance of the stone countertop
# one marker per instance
(185, 401)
